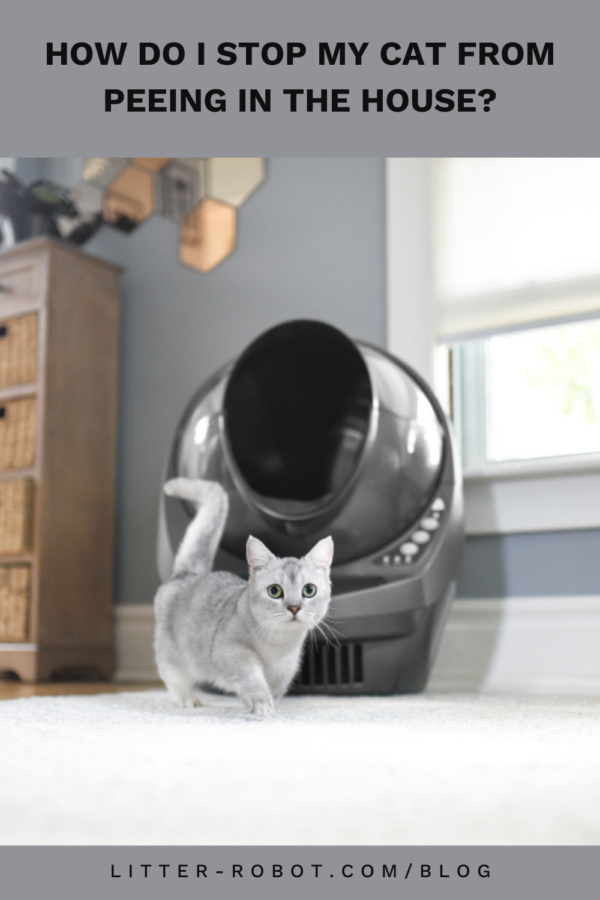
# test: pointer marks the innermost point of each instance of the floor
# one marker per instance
(15, 690)
(124, 766)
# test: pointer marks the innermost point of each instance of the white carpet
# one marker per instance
(430, 769)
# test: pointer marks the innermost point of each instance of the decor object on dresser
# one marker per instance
(58, 395)
(41, 208)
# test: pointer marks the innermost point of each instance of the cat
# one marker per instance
(243, 637)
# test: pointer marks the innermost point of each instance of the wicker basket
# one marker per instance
(15, 584)
(18, 350)
(16, 517)
(17, 433)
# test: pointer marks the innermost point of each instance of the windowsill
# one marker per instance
(533, 496)
(534, 468)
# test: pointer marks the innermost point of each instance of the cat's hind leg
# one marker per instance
(179, 686)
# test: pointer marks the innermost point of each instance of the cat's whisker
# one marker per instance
(334, 631)
(312, 638)
(326, 638)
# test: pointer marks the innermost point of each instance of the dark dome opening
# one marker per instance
(297, 412)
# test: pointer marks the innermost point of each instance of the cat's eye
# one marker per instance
(309, 590)
(275, 591)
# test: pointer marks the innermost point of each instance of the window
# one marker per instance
(543, 392)
(517, 282)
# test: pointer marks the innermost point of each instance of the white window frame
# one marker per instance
(554, 494)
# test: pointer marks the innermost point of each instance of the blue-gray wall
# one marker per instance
(545, 564)
(310, 244)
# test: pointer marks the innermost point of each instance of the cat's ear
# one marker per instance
(321, 554)
(257, 554)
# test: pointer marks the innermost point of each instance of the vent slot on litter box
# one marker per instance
(327, 665)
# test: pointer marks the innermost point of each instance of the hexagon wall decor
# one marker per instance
(200, 194)
(233, 179)
(207, 235)
(180, 187)
(153, 163)
(101, 170)
(129, 199)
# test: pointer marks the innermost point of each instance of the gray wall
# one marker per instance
(546, 564)
(310, 244)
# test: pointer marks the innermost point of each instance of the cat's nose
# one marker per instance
(293, 609)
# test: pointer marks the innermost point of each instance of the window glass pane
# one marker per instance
(504, 224)
(543, 392)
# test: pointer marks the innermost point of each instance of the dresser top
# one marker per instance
(51, 246)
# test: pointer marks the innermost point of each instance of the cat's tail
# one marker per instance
(201, 540)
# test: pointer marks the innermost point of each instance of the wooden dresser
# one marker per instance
(58, 400)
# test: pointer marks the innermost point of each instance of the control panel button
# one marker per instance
(420, 537)
(430, 524)
(438, 505)
(397, 560)
(386, 560)
(408, 549)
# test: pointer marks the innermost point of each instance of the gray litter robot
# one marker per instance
(313, 434)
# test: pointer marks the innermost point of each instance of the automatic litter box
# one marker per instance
(313, 434)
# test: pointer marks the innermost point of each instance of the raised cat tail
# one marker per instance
(201, 540)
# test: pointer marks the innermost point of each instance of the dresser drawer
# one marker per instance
(17, 433)
(15, 593)
(20, 279)
(18, 350)
(16, 515)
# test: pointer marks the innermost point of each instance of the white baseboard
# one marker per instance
(522, 644)
(519, 644)
(134, 635)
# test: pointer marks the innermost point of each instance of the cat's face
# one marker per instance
(291, 594)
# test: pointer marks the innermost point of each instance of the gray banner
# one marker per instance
(538, 108)
(484, 873)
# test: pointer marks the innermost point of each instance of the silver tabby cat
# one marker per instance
(244, 637)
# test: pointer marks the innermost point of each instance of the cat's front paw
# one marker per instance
(262, 706)
(263, 709)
